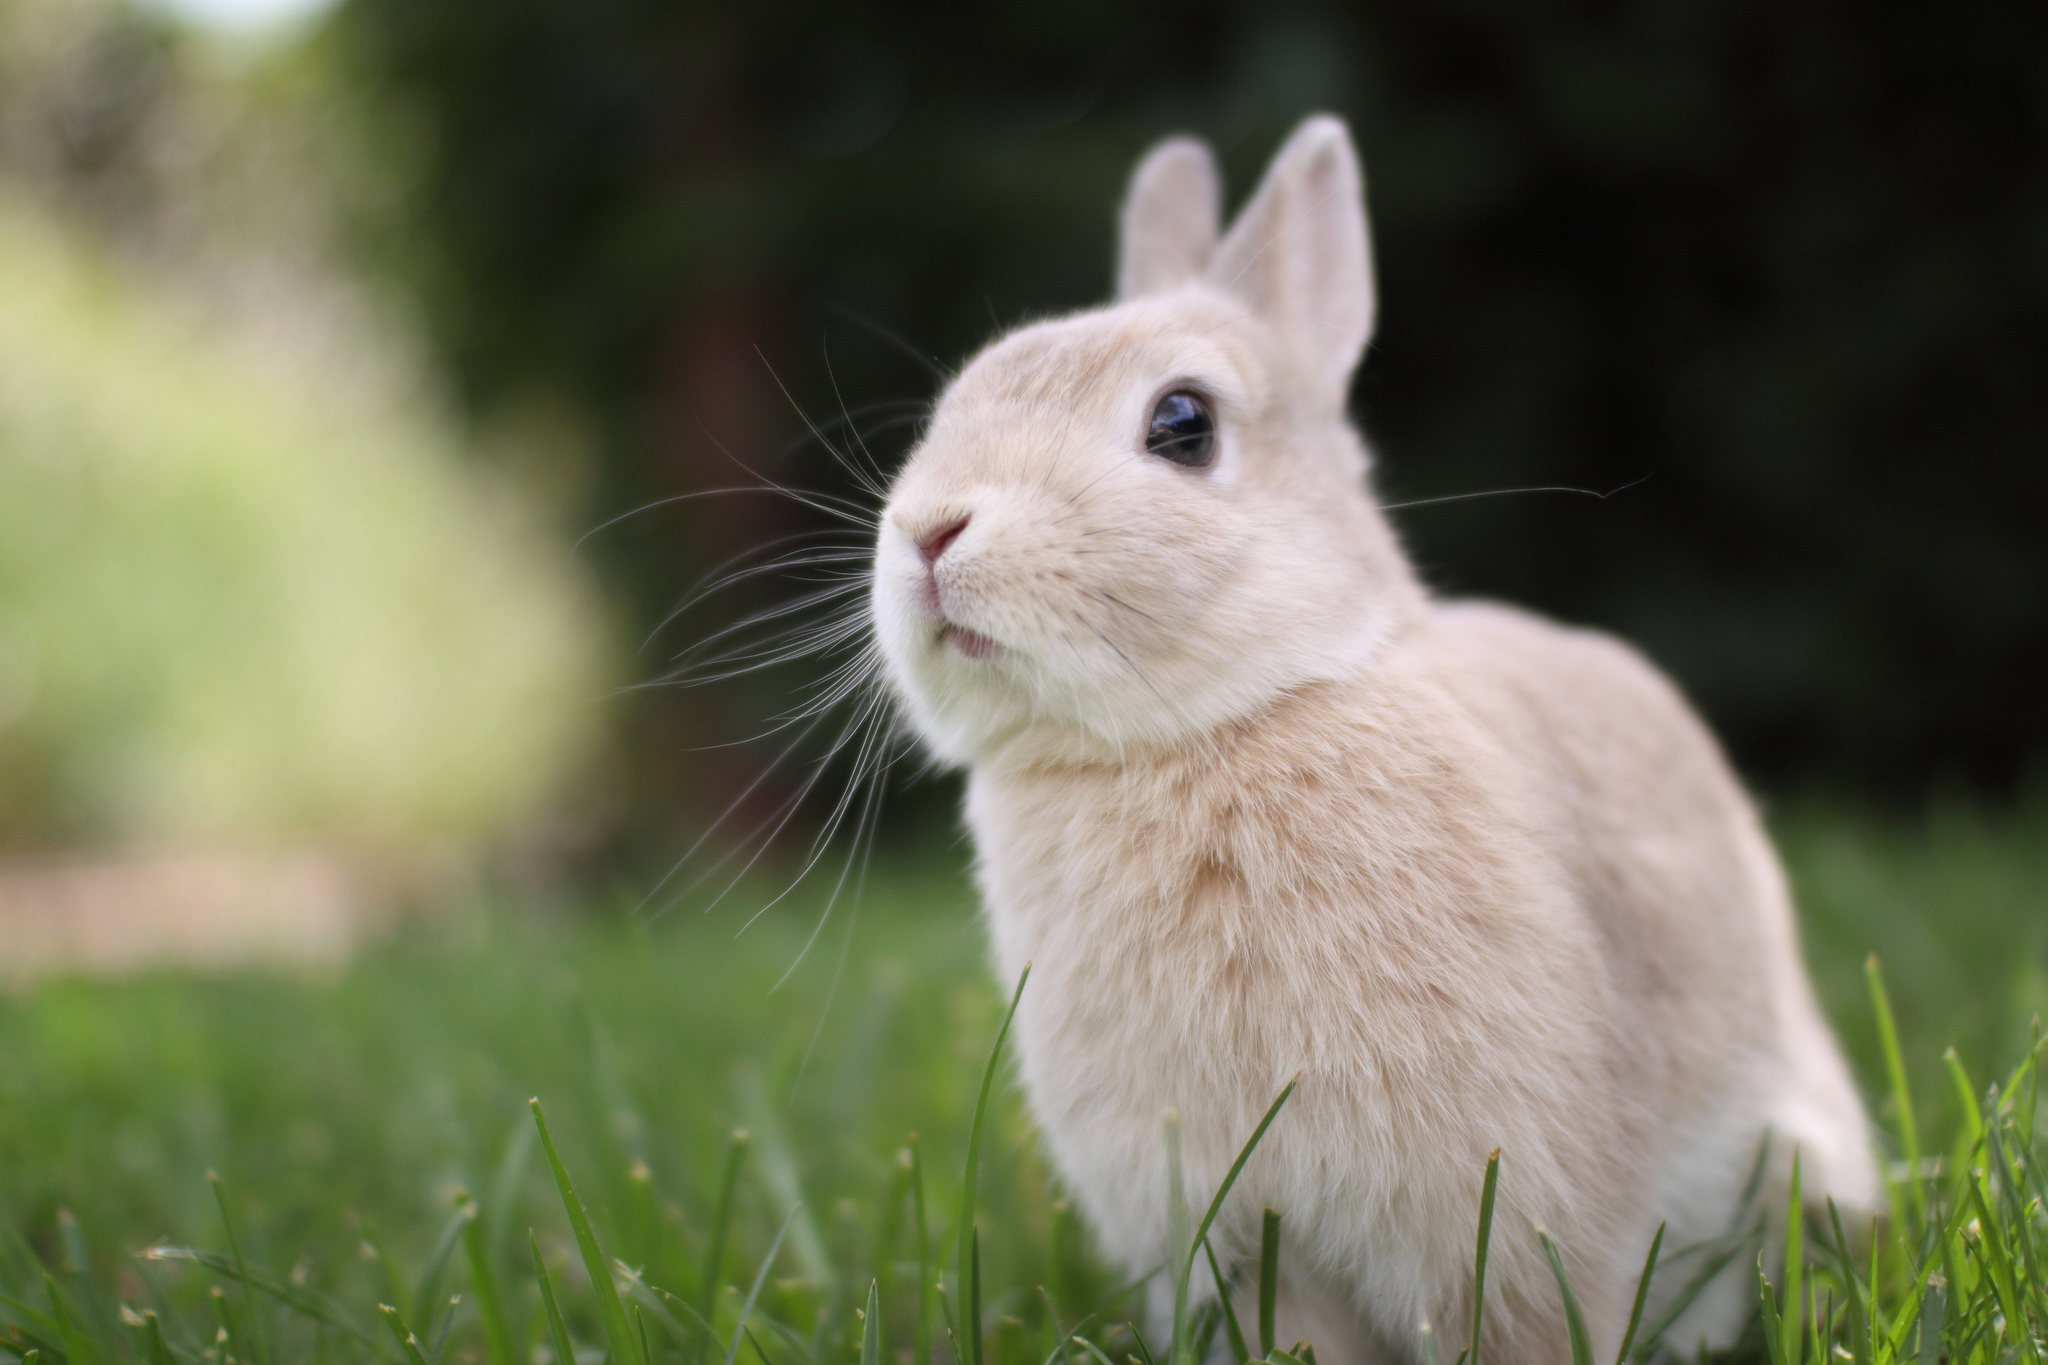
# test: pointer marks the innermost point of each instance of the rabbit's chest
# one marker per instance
(1200, 932)
(1189, 943)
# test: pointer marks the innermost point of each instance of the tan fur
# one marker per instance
(1254, 804)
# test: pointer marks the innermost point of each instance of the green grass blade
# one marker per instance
(1793, 1350)
(1269, 1280)
(226, 1335)
(691, 1325)
(1239, 1352)
(964, 1220)
(777, 1168)
(1061, 1353)
(1721, 1255)
(1244, 1154)
(1966, 1095)
(1180, 1348)
(1991, 1245)
(309, 1303)
(2014, 1201)
(760, 1278)
(99, 1319)
(1185, 1267)
(1092, 1349)
(1767, 1305)
(1206, 1323)
(1858, 1310)
(1429, 1355)
(625, 1346)
(871, 1327)
(721, 1223)
(952, 1333)
(1486, 1196)
(787, 1333)
(894, 1207)
(501, 1203)
(154, 1350)
(32, 1320)
(393, 1288)
(408, 1340)
(1933, 1311)
(1902, 1094)
(2033, 1105)
(551, 1307)
(1574, 1319)
(1635, 1313)
(1062, 1258)
(974, 1296)
(220, 1198)
(78, 1348)
(483, 1284)
(1912, 1305)
(921, 1329)
(441, 1332)
(426, 1296)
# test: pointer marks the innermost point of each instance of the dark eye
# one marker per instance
(1183, 430)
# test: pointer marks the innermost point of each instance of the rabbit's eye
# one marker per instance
(1183, 430)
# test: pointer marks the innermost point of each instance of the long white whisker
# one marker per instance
(676, 498)
(786, 564)
(818, 846)
(713, 827)
(796, 607)
(832, 506)
(879, 493)
(873, 477)
(1502, 492)
(938, 371)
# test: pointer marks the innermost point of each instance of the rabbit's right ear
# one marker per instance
(1171, 218)
(1300, 255)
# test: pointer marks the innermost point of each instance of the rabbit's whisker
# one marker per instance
(1503, 492)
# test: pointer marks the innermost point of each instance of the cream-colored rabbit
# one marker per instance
(1254, 803)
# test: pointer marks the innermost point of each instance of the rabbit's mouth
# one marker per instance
(973, 644)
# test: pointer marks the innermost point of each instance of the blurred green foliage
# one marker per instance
(236, 605)
(1786, 263)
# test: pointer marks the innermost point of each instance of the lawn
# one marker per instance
(343, 1115)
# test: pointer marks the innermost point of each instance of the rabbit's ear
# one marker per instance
(1170, 219)
(1300, 254)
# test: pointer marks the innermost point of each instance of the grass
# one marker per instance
(374, 1145)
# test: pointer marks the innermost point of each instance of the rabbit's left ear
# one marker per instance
(1170, 219)
(1300, 254)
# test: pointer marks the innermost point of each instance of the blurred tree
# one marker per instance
(251, 587)
(1781, 269)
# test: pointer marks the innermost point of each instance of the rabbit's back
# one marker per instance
(1671, 865)
(1497, 889)
(1623, 786)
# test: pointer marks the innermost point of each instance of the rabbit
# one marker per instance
(1253, 803)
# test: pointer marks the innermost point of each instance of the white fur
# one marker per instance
(1255, 804)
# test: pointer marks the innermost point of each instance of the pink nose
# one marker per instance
(934, 542)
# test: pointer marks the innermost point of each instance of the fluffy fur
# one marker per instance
(1255, 804)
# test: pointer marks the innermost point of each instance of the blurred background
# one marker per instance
(353, 354)
(366, 367)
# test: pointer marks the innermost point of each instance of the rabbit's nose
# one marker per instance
(933, 543)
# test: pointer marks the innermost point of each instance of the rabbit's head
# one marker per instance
(1128, 526)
